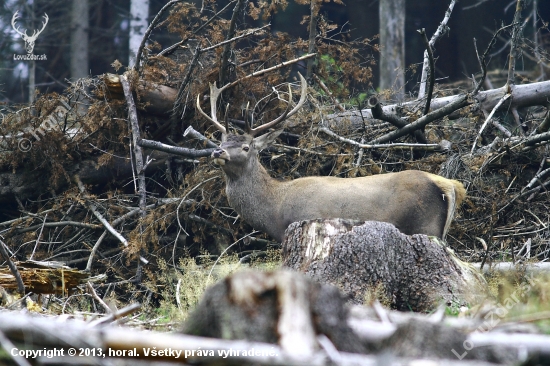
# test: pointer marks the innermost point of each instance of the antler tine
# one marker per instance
(226, 120)
(247, 123)
(303, 96)
(214, 94)
(286, 114)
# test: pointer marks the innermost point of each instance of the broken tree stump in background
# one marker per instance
(44, 277)
(363, 259)
(154, 98)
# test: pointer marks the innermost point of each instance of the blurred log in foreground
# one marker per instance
(375, 259)
(312, 323)
(267, 318)
(275, 307)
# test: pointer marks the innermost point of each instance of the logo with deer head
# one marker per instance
(29, 40)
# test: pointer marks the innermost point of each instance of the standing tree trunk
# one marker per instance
(392, 46)
(79, 39)
(32, 80)
(139, 12)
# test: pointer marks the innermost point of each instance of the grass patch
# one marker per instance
(514, 297)
(182, 288)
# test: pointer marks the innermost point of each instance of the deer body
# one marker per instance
(415, 202)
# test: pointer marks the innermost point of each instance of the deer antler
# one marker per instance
(286, 114)
(16, 28)
(215, 93)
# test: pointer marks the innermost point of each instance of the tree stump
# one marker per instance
(374, 258)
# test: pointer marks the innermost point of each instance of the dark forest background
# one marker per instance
(358, 19)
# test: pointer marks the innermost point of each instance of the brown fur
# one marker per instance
(415, 202)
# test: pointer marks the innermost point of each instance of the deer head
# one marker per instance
(236, 149)
(29, 40)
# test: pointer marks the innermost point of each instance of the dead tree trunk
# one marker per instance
(375, 259)
(392, 50)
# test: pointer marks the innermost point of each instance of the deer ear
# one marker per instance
(263, 141)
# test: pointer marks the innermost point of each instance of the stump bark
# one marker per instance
(375, 259)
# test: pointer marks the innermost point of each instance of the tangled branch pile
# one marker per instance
(79, 183)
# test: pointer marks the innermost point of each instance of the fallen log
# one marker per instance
(153, 98)
(525, 95)
(409, 272)
(534, 267)
(44, 277)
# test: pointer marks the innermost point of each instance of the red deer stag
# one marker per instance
(415, 202)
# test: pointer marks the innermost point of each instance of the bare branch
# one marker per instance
(134, 127)
(500, 102)
(94, 294)
(94, 250)
(431, 71)
(191, 153)
(102, 219)
(270, 69)
(230, 34)
(55, 224)
(120, 220)
(190, 131)
(13, 268)
(459, 102)
(441, 30)
(39, 237)
(117, 315)
(378, 113)
(482, 59)
(236, 38)
(514, 45)
(398, 146)
(176, 110)
(545, 125)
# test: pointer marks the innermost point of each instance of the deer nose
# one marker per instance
(217, 153)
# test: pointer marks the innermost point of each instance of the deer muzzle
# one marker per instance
(220, 156)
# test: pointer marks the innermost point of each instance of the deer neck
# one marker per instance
(253, 194)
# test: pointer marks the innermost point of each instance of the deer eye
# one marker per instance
(246, 148)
